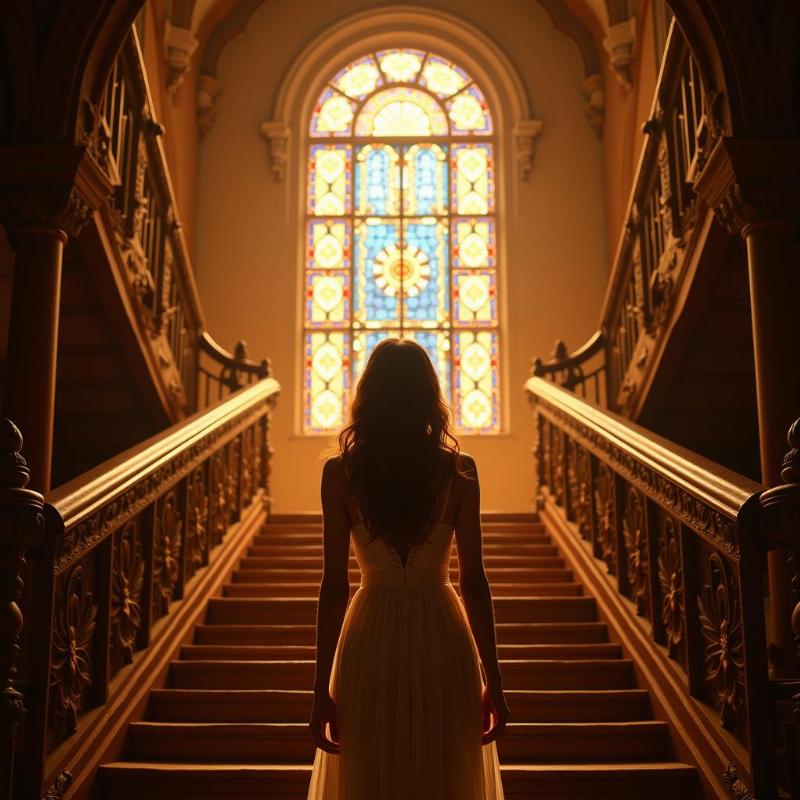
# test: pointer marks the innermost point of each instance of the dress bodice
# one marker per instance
(427, 563)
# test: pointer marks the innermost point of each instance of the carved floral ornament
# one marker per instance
(126, 594)
(721, 627)
(71, 661)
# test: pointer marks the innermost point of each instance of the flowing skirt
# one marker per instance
(407, 687)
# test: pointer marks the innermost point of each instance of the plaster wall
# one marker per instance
(555, 261)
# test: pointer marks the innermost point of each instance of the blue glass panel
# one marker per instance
(426, 183)
(425, 285)
(377, 181)
(376, 279)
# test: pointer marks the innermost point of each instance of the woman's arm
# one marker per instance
(477, 597)
(334, 592)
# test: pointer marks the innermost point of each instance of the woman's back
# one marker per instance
(400, 709)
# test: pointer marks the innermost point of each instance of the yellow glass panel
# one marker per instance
(442, 77)
(401, 66)
(358, 79)
(401, 111)
(329, 180)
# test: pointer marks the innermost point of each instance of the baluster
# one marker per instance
(101, 673)
(20, 527)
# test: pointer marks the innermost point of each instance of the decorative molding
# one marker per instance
(58, 787)
(179, 44)
(749, 181)
(526, 132)
(738, 789)
(594, 95)
(277, 135)
(208, 91)
(620, 44)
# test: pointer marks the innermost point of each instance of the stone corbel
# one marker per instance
(208, 91)
(180, 45)
(620, 44)
(594, 94)
(277, 135)
(525, 132)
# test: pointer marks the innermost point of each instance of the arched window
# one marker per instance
(401, 233)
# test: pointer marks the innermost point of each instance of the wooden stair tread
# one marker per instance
(232, 719)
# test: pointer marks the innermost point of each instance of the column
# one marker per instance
(754, 187)
(48, 194)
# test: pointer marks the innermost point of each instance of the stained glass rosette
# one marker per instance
(400, 237)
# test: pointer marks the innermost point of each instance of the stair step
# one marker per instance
(256, 634)
(507, 633)
(294, 705)
(315, 562)
(532, 742)
(591, 781)
(315, 537)
(239, 652)
(298, 674)
(490, 548)
(230, 705)
(222, 742)
(295, 610)
(567, 673)
(501, 574)
(311, 590)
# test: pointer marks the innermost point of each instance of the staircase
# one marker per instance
(231, 721)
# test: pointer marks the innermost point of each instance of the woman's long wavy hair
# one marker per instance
(397, 449)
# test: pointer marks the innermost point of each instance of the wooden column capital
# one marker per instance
(50, 188)
(750, 182)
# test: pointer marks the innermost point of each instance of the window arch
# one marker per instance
(401, 233)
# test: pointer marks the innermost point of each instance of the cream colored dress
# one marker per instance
(407, 685)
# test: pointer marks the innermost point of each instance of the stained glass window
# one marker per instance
(401, 233)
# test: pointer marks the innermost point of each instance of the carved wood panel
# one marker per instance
(248, 474)
(721, 628)
(127, 584)
(233, 473)
(671, 586)
(72, 660)
(557, 486)
(197, 520)
(605, 524)
(637, 556)
(167, 543)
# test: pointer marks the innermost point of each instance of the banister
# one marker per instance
(125, 546)
(680, 537)
(179, 444)
(151, 253)
(726, 492)
(571, 370)
(655, 249)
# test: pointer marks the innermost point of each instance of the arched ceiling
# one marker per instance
(215, 23)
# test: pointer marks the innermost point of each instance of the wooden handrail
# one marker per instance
(680, 536)
(657, 240)
(123, 544)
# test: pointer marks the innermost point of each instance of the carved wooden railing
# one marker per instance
(679, 537)
(149, 248)
(123, 549)
(662, 229)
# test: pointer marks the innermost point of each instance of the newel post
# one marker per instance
(20, 525)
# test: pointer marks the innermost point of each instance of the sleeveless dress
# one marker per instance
(407, 685)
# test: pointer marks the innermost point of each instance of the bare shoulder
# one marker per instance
(467, 466)
(333, 471)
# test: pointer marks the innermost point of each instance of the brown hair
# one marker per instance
(397, 449)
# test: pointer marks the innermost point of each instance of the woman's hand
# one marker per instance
(495, 713)
(323, 713)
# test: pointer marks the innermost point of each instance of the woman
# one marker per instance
(400, 709)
